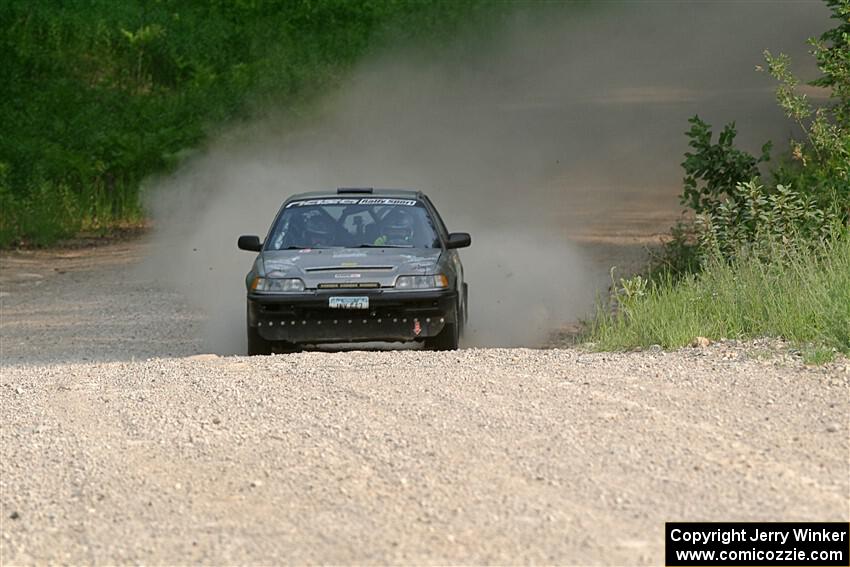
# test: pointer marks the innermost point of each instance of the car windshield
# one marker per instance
(352, 223)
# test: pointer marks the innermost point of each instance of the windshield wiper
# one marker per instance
(386, 246)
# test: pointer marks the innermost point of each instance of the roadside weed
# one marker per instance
(795, 292)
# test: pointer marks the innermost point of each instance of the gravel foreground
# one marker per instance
(480, 456)
(120, 444)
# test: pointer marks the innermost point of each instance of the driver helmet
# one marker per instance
(399, 230)
(318, 231)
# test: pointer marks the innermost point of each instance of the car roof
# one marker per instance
(355, 192)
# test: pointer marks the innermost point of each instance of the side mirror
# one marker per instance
(251, 243)
(458, 240)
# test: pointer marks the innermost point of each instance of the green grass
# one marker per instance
(796, 293)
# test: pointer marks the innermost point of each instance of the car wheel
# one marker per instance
(257, 345)
(447, 339)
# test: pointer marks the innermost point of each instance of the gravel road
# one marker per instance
(120, 443)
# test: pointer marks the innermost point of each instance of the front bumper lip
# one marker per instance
(392, 315)
(378, 296)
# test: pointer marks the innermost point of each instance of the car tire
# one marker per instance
(447, 339)
(257, 345)
(465, 310)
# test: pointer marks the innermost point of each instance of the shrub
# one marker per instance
(832, 51)
(713, 170)
(713, 174)
(820, 161)
(754, 218)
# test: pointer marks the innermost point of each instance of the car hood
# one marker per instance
(349, 265)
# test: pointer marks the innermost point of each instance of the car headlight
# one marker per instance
(421, 282)
(277, 284)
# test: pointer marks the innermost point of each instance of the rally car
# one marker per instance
(356, 265)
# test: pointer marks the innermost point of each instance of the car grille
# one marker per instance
(348, 285)
(349, 269)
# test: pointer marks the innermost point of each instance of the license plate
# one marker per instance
(348, 302)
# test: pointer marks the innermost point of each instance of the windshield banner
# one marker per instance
(344, 201)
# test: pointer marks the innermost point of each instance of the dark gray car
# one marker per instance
(356, 265)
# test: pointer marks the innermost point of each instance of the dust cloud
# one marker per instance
(565, 120)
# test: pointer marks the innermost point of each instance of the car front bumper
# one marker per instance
(392, 315)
